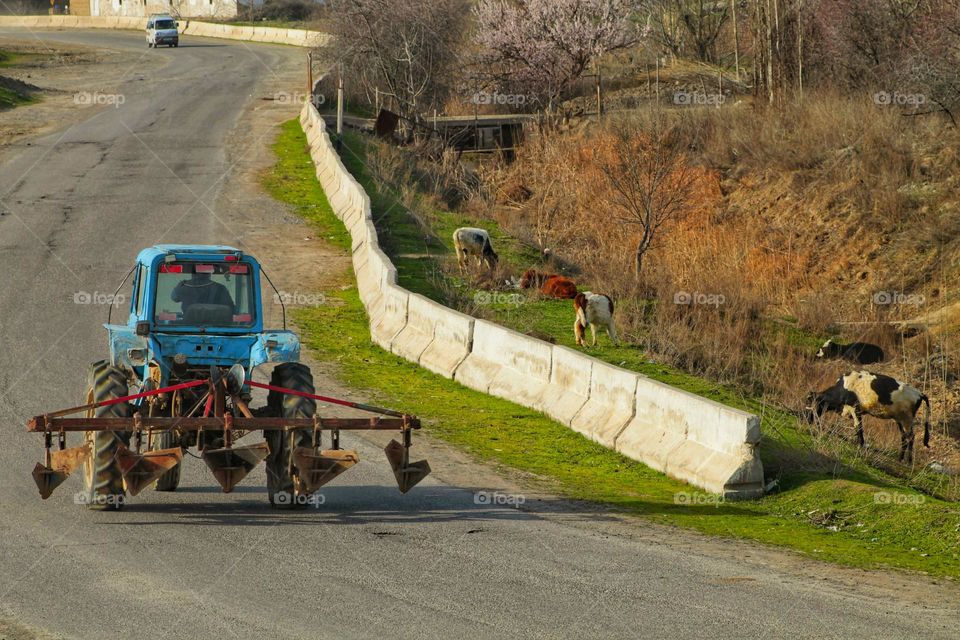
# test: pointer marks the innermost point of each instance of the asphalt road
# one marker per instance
(77, 205)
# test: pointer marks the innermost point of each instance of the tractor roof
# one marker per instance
(147, 255)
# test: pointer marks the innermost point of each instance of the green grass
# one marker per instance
(10, 98)
(835, 519)
(9, 59)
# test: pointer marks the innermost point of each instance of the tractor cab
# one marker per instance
(196, 306)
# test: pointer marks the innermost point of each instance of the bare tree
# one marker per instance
(541, 47)
(693, 24)
(649, 182)
(904, 46)
(404, 50)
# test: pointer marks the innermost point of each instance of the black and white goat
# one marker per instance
(862, 392)
(855, 352)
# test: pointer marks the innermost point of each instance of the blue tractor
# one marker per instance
(180, 375)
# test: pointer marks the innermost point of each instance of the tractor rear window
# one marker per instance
(200, 294)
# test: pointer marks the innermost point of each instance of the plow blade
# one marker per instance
(408, 473)
(139, 470)
(62, 463)
(316, 468)
(231, 465)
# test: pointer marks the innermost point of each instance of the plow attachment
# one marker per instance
(59, 465)
(311, 466)
(408, 473)
(139, 470)
(316, 468)
(231, 465)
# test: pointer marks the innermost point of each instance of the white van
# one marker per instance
(162, 29)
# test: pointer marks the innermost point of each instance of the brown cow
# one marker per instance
(550, 284)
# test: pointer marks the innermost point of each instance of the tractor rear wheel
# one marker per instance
(283, 487)
(171, 479)
(103, 482)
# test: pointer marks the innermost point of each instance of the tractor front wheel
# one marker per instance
(103, 482)
(283, 486)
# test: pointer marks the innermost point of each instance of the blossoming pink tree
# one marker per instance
(539, 48)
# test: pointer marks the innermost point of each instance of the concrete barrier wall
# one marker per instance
(416, 336)
(294, 37)
(610, 405)
(569, 387)
(687, 437)
(452, 341)
(506, 364)
(693, 439)
(390, 317)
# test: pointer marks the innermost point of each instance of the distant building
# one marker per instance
(136, 8)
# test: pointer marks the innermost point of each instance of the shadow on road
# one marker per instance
(364, 505)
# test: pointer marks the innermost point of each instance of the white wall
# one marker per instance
(176, 8)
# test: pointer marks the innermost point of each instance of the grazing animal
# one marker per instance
(855, 352)
(550, 284)
(470, 241)
(862, 392)
(593, 309)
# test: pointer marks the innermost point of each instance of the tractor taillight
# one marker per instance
(231, 258)
(239, 268)
(171, 268)
(204, 268)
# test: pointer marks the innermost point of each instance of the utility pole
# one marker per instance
(800, 48)
(310, 75)
(736, 39)
(339, 107)
(658, 80)
(599, 91)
